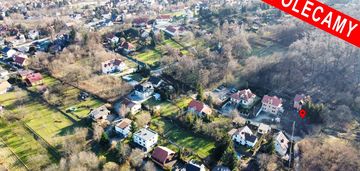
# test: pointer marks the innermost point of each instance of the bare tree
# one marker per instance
(98, 130)
(136, 158)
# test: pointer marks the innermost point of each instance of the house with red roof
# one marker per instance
(299, 100)
(199, 108)
(127, 47)
(244, 97)
(272, 104)
(163, 156)
(21, 60)
(163, 18)
(113, 65)
(34, 79)
(140, 22)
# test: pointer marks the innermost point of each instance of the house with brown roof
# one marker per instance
(199, 108)
(175, 30)
(99, 113)
(123, 127)
(131, 107)
(244, 97)
(163, 156)
(33, 79)
(272, 104)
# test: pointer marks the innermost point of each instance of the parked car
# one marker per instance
(84, 96)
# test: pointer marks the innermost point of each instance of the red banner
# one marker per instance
(323, 17)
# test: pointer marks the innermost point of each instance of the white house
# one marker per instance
(144, 90)
(199, 108)
(131, 107)
(243, 97)
(123, 127)
(33, 34)
(4, 74)
(272, 104)
(114, 40)
(111, 66)
(5, 86)
(146, 138)
(155, 81)
(8, 52)
(99, 113)
(281, 143)
(263, 129)
(244, 136)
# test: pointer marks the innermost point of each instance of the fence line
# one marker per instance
(17, 157)
(43, 142)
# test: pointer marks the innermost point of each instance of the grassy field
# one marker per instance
(153, 56)
(70, 96)
(24, 145)
(184, 138)
(47, 121)
(167, 108)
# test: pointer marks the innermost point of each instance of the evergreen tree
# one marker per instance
(200, 92)
(314, 112)
(133, 127)
(229, 157)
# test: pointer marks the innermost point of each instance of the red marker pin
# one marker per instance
(302, 113)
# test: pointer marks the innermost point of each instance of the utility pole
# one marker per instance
(292, 137)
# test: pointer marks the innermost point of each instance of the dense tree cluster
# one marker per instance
(329, 154)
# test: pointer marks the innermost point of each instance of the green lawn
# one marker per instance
(185, 138)
(47, 122)
(24, 145)
(183, 102)
(153, 56)
(51, 123)
(150, 57)
(70, 95)
(166, 108)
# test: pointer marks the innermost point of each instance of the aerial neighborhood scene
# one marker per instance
(182, 85)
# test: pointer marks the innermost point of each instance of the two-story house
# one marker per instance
(272, 104)
(244, 97)
(244, 136)
(281, 143)
(163, 156)
(144, 90)
(123, 127)
(111, 66)
(146, 138)
(199, 108)
(131, 107)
